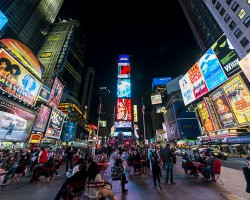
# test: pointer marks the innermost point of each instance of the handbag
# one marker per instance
(107, 185)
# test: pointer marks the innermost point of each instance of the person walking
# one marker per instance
(168, 157)
(154, 158)
(246, 172)
(69, 154)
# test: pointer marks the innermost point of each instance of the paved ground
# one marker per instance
(141, 188)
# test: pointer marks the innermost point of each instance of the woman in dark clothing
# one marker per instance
(246, 172)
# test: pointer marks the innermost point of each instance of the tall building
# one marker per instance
(233, 16)
(202, 23)
(29, 20)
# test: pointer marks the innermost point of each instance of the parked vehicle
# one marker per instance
(180, 152)
(215, 152)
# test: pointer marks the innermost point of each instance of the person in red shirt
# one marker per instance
(43, 155)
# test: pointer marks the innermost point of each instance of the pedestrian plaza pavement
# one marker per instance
(140, 187)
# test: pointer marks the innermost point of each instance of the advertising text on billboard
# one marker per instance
(56, 93)
(42, 119)
(205, 117)
(123, 110)
(123, 88)
(186, 89)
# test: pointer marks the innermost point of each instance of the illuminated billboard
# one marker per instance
(25, 55)
(211, 70)
(3, 20)
(156, 99)
(135, 113)
(239, 98)
(122, 124)
(124, 110)
(55, 124)
(16, 80)
(123, 59)
(160, 81)
(56, 93)
(245, 66)
(42, 119)
(44, 94)
(226, 55)
(223, 109)
(124, 71)
(15, 123)
(123, 88)
(186, 90)
(205, 117)
(125, 133)
(102, 123)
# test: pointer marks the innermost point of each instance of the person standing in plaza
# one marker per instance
(246, 172)
(168, 157)
(69, 154)
(156, 171)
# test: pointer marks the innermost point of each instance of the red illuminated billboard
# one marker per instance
(42, 119)
(124, 110)
(16, 80)
(56, 93)
(124, 71)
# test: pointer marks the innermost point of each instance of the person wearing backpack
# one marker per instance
(154, 158)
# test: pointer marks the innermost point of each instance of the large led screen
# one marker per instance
(122, 124)
(44, 94)
(55, 124)
(205, 117)
(226, 55)
(245, 66)
(16, 80)
(211, 70)
(123, 59)
(15, 123)
(156, 99)
(123, 88)
(56, 94)
(124, 110)
(25, 55)
(3, 20)
(223, 109)
(124, 71)
(186, 90)
(239, 99)
(42, 119)
(198, 81)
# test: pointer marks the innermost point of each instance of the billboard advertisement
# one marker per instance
(69, 130)
(198, 81)
(124, 110)
(239, 99)
(223, 109)
(3, 20)
(42, 119)
(123, 88)
(122, 124)
(205, 117)
(123, 59)
(135, 113)
(55, 124)
(186, 90)
(245, 66)
(25, 55)
(173, 132)
(156, 99)
(35, 138)
(56, 93)
(124, 71)
(16, 80)
(226, 55)
(102, 123)
(44, 94)
(15, 123)
(211, 70)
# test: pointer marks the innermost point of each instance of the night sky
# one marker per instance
(157, 36)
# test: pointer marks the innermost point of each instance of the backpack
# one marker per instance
(154, 157)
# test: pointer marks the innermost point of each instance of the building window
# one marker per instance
(241, 14)
(218, 5)
(247, 22)
(235, 6)
(238, 33)
(227, 18)
(229, 1)
(213, 1)
(244, 42)
(222, 11)
(232, 25)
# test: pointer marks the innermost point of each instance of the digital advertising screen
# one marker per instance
(226, 55)
(205, 117)
(56, 93)
(186, 90)
(3, 20)
(123, 88)
(239, 99)
(16, 80)
(124, 71)
(55, 124)
(122, 124)
(124, 110)
(25, 55)
(223, 109)
(15, 123)
(102, 123)
(245, 66)
(44, 94)
(197, 80)
(135, 111)
(156, 99)
(173, 132)
(123, 59)
(42, 119)
(211, 70)
(125, 133)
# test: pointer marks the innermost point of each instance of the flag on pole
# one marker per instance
(100, 109)
(143, 108)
